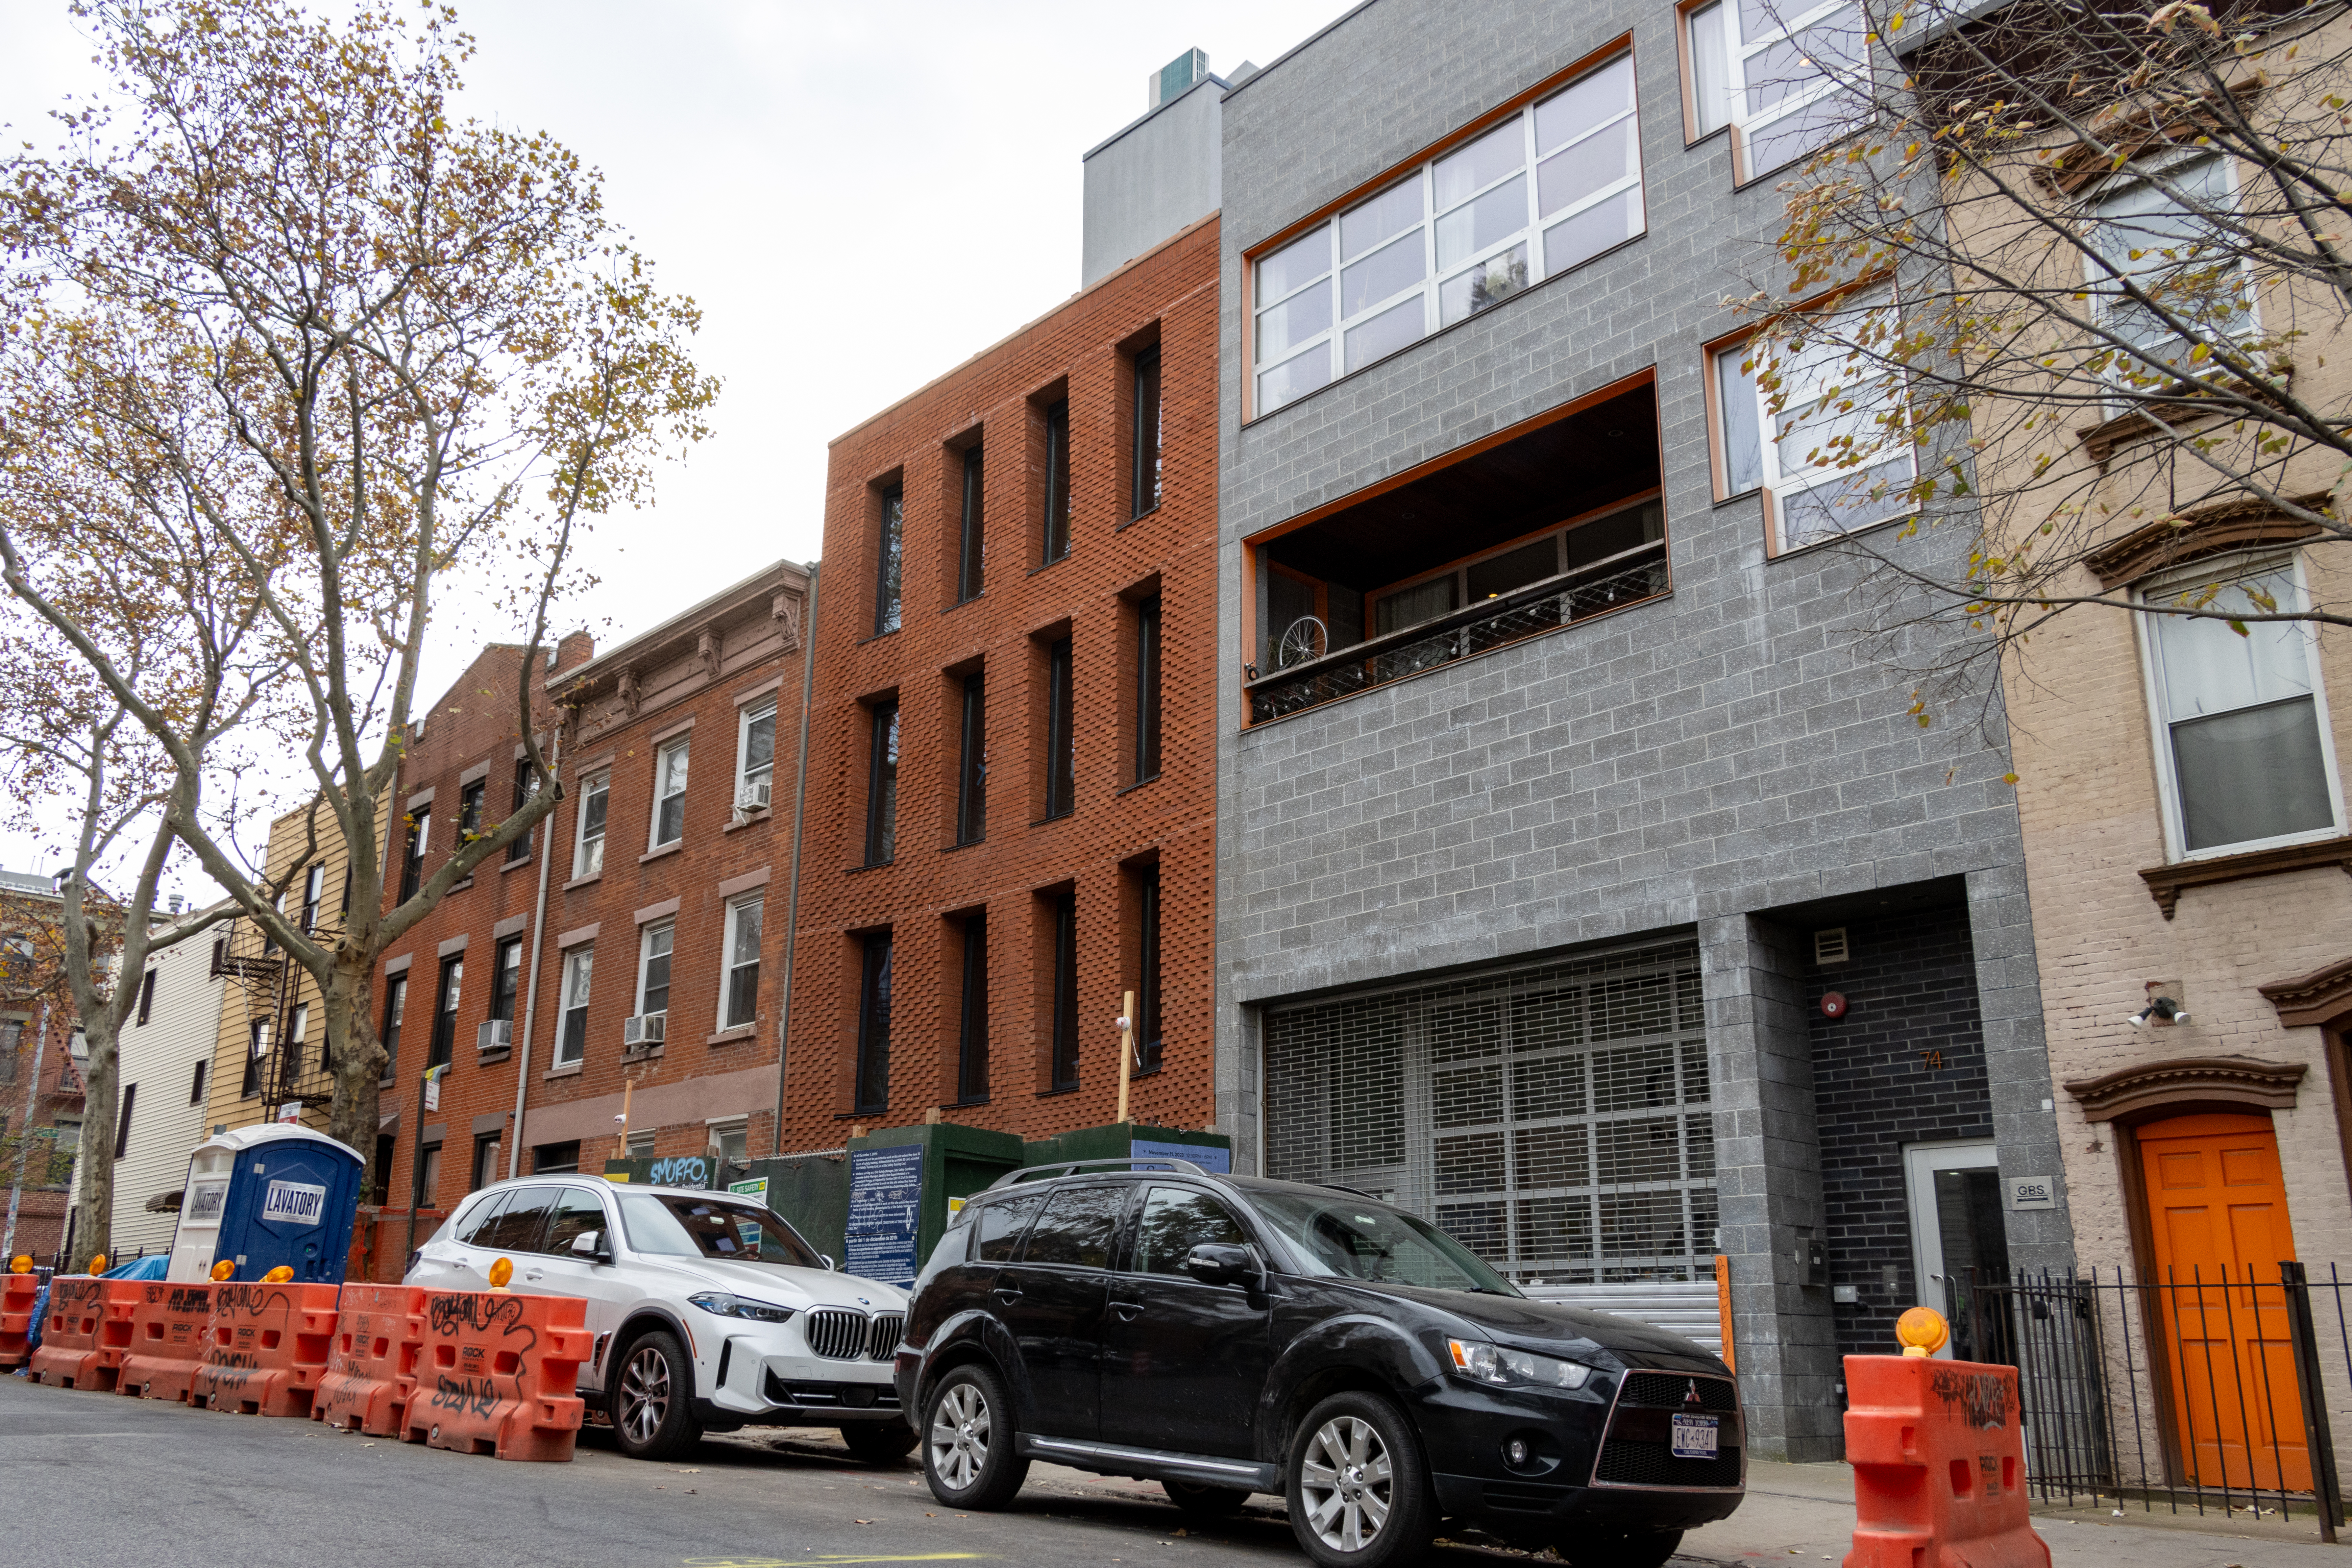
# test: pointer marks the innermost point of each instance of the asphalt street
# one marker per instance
(105, 1481)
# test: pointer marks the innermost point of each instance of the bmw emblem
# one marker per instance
(863, 1301)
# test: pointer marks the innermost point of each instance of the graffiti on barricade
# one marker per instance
(466, 1395)
(1983, 1397)
(478, 1312)
(252, 1300)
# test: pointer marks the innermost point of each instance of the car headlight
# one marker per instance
(720, 1305)
(1482, 1362)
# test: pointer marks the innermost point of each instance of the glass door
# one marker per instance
(1956, 1235)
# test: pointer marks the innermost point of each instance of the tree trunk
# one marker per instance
(93, 1221)
(359, 1063)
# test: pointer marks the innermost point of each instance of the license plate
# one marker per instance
(1694, 1437)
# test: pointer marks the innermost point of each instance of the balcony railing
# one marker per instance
(1629, 577)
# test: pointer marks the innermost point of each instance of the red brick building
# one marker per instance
(1012, 761)
(656, 968)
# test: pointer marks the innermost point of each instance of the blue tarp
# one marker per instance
(144, 1269)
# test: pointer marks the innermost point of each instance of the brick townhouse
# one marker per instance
(1012, 769)
(41, 1085)
(625, 943)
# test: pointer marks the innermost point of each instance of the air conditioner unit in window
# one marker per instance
(644, 1029)
(496, 1034)
(754, 795)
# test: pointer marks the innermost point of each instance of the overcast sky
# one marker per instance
(860, 197)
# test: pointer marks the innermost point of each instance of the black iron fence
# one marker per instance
(2203, 1390)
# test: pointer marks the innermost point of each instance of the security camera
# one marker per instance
(2163, 1009)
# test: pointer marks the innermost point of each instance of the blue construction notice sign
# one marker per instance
(886, 1189)
(1208, 1156)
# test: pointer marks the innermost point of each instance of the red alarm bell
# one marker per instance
(1833, 1004)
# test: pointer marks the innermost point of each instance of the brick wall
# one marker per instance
(1084, 351)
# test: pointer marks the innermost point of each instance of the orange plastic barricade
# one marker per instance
(379, 1334)
(500, 1374)
(169, 1327)
(269, 1347)
(1939, 1454)
(88, 1332)
(16, 1294)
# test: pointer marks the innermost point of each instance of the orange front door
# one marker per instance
(2217, 1210)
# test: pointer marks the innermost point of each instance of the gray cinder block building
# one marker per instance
(1583, 883)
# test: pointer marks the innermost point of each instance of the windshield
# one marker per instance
(1356, 1238)
(673, 1227)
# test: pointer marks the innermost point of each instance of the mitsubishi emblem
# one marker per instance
(1692, 1397)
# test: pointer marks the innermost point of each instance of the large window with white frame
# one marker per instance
(2243, 755)
(2157, 225)
(755, 755)
(653, 946)
(571, 1031)
(739, 992)
(588, 852)
(1552, 186)
(1827, 462)
(1781, 73)
(669, 794)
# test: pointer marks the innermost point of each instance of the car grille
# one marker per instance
(1626, 1463)
(841, 1334)
(1672, 1391)
(1638, 1461)
(835, 1395)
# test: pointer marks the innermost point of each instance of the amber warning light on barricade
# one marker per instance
(223, 1269)
(500, 1272)
(21, 1264)
(97, 1263)
(280, 1275)
(1922, 1331)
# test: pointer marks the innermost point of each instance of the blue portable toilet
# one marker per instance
(263, 1196)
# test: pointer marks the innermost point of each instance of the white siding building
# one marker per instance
(166, 1050)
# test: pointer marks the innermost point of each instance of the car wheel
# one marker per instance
(1358, 1491)
(651, 1418)
(1209, 1502)
(967, 1439)
(1620, 1548)
(879, 1442)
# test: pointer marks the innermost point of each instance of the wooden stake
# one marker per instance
(622, 1153)
(1125, 1048)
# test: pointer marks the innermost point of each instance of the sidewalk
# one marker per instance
(1804, 1514)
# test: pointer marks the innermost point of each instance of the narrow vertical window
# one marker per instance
(669, 794)
(588, 855)
(874, 1026)
(427, 1176)
(146, 996)
(882, 786)
(755, 751)
(469, 812)
(972, 1034)
(739, 999)
(571, 1040)
(525, 782)
(1066, 991)
(122, 1127)
(971, 544)
(197, 1087)
(314, 888)
(1144, 481)
(506, 979)
(256, 1048)
(412, 865)
(444, 1015)
(1061, 781)
(1147, 979)
(1057, 483)
(654, 952)
(1146, 690)
(298, 1029)
(395, 1002)
(971, 771)
(889, 559)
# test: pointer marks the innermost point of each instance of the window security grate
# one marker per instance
(1555, 1120)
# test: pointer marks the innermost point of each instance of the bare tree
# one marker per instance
(2066, 276)
(422, 349)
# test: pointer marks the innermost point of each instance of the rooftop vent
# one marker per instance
(1171, 80)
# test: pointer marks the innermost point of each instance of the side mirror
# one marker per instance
(590, 1244)
(827, 1258)
(1218, 1263)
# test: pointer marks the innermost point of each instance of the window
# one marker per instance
(1143, 481)
(526, 782)
(298, 1029)
(1003, 1222)
(256, 1048)
(1828, 466)
(380, 1173)
(739, 998)
(486, 1161)
(669, 794)
(971, 773)
(1146, 690)
(1061, 782)
(146, 997)
(1552, 187)
(755, 755)
(1147, 977)
(1175, 1221)
(16, 959)
(588, 853)
(889, 556)
(653, 967)
(550, 1159)
(395, 1003)
(571, 1040)
(972, 1027)
(2156, 227)
(197, 1084)
(521, 1218)
(1055, 533)
(122, 1125)
(577, 1212)
(506, 978)
(412, 865)
(444, 1015)
(971, 539)
(637, 1146)
(873, 1089)
(469, 812)
(1065, 990)
(882, 786)
(2241, 749)
(1076, 1228)
(729, 1138)
(314, 888)
(427, 1181)
(1771, 73)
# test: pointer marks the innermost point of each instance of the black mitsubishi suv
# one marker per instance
(1224, 1335)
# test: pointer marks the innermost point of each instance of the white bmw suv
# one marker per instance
(709, 1311)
